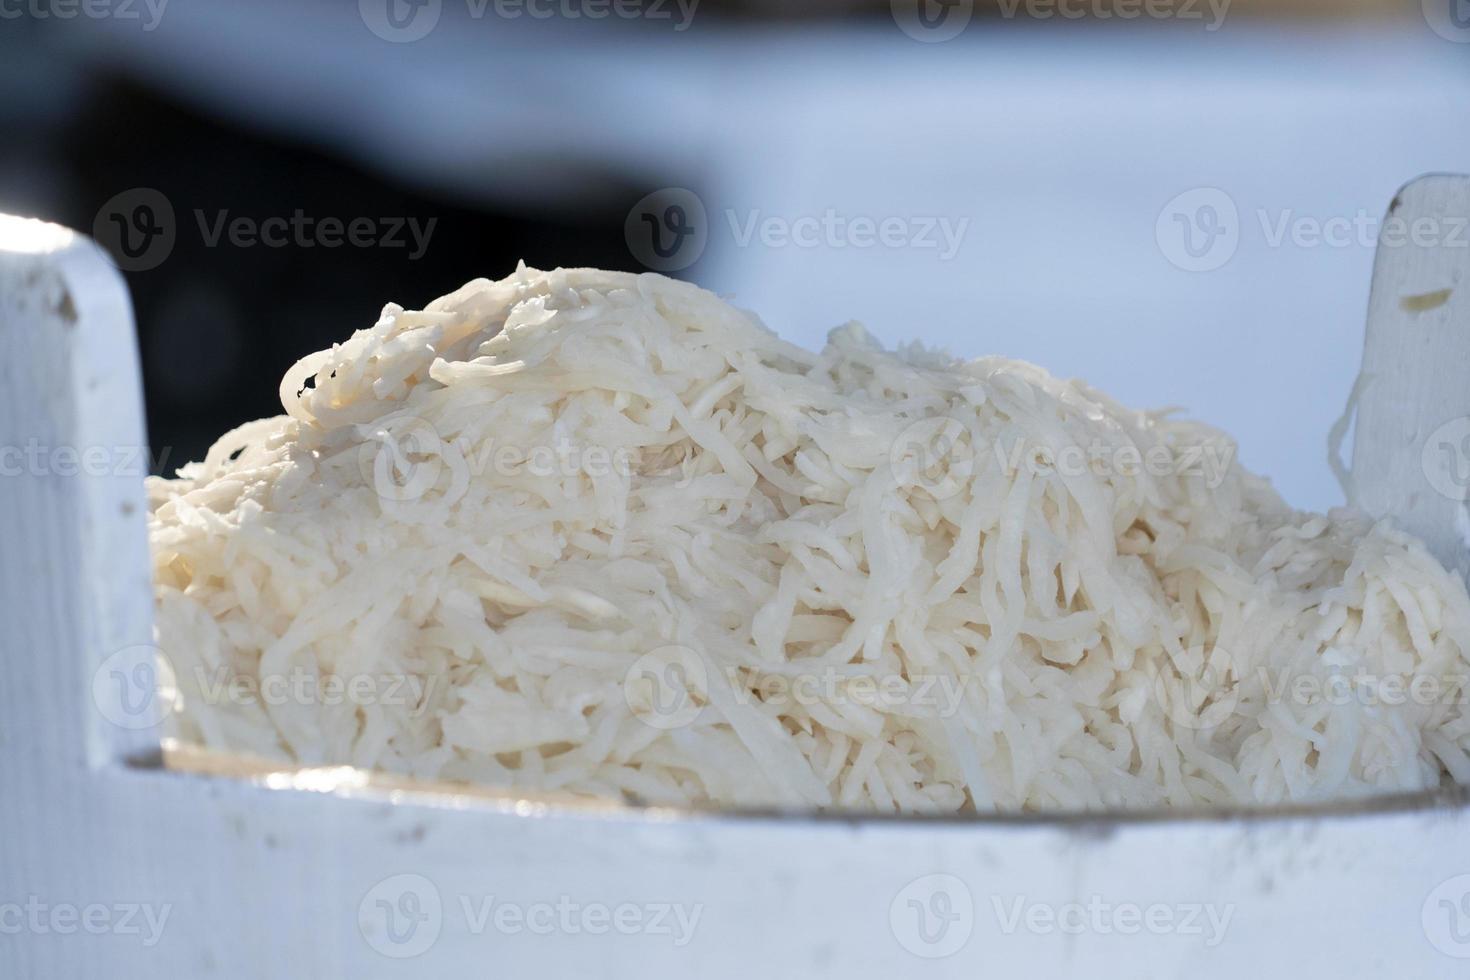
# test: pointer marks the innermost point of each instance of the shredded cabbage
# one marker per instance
(606, 534)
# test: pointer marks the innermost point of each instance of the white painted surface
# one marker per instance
(252, 881)
(1411, 450)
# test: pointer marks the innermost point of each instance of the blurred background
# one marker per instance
(1175, 199)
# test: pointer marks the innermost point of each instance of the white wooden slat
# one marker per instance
(275, 882)
(1411, 447)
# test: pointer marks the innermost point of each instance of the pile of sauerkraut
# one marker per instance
(605, 534)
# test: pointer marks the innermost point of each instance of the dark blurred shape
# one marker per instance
(222, 316)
